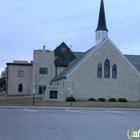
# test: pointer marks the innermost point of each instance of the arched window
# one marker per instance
(114, 71)
(20, 88)
(99, 71)
(107, 69)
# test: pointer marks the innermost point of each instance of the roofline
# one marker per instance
(54, 80)
(19, 64)
(61, 65)
(101, 29)
(91, 52)
(124, 57)
(131, 55)
(85, 57)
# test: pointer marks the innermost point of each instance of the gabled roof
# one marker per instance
(65, 58)
(63, 55)
(133, 60)
(61, 49)
(72, 65)
(77, 54)
(102, 19)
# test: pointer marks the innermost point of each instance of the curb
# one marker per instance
(64, 108)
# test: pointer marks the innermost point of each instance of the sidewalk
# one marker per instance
(5, 96)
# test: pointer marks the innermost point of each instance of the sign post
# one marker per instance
(33, 92)
(71, 93)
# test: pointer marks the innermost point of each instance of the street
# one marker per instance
(67, 124)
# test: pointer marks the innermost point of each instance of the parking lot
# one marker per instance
(67, 124)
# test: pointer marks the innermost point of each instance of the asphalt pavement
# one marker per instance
(67, 124)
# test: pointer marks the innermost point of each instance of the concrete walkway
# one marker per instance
(3, 96)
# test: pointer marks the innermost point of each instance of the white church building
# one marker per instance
(100, 72)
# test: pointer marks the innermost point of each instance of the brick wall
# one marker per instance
(86, 84)
(14, 80)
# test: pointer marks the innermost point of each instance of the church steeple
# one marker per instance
(101, 20)
(101, 31)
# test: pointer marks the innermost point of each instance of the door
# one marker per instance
(42, 89)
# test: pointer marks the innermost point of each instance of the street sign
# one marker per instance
(71, 92)
(33, 91)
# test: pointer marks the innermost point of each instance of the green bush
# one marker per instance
(92, 99)
(102, 99)
(69, 99)
(122, 100)
(112, 100)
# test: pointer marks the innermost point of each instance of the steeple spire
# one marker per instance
(102, 20)
(101, 31)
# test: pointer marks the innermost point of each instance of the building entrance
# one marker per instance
(42, 89)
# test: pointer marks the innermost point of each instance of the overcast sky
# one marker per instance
(27, 25)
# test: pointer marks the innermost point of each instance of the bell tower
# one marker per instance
(101, 31)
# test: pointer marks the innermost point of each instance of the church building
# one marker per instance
(100, 72)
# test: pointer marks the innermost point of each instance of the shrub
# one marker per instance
(122, 100)
(69, 99)
(92, 99)
(102, 99)
(112, 100)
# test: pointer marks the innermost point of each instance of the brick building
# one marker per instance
(101, 71)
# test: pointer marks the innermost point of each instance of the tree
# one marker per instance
(3, 79)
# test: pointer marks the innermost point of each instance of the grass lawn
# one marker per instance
(28, 101)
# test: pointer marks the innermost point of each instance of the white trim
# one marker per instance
(91, 52)
(85, 58)
(100, 36)
(124, 57)
(31, 110)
